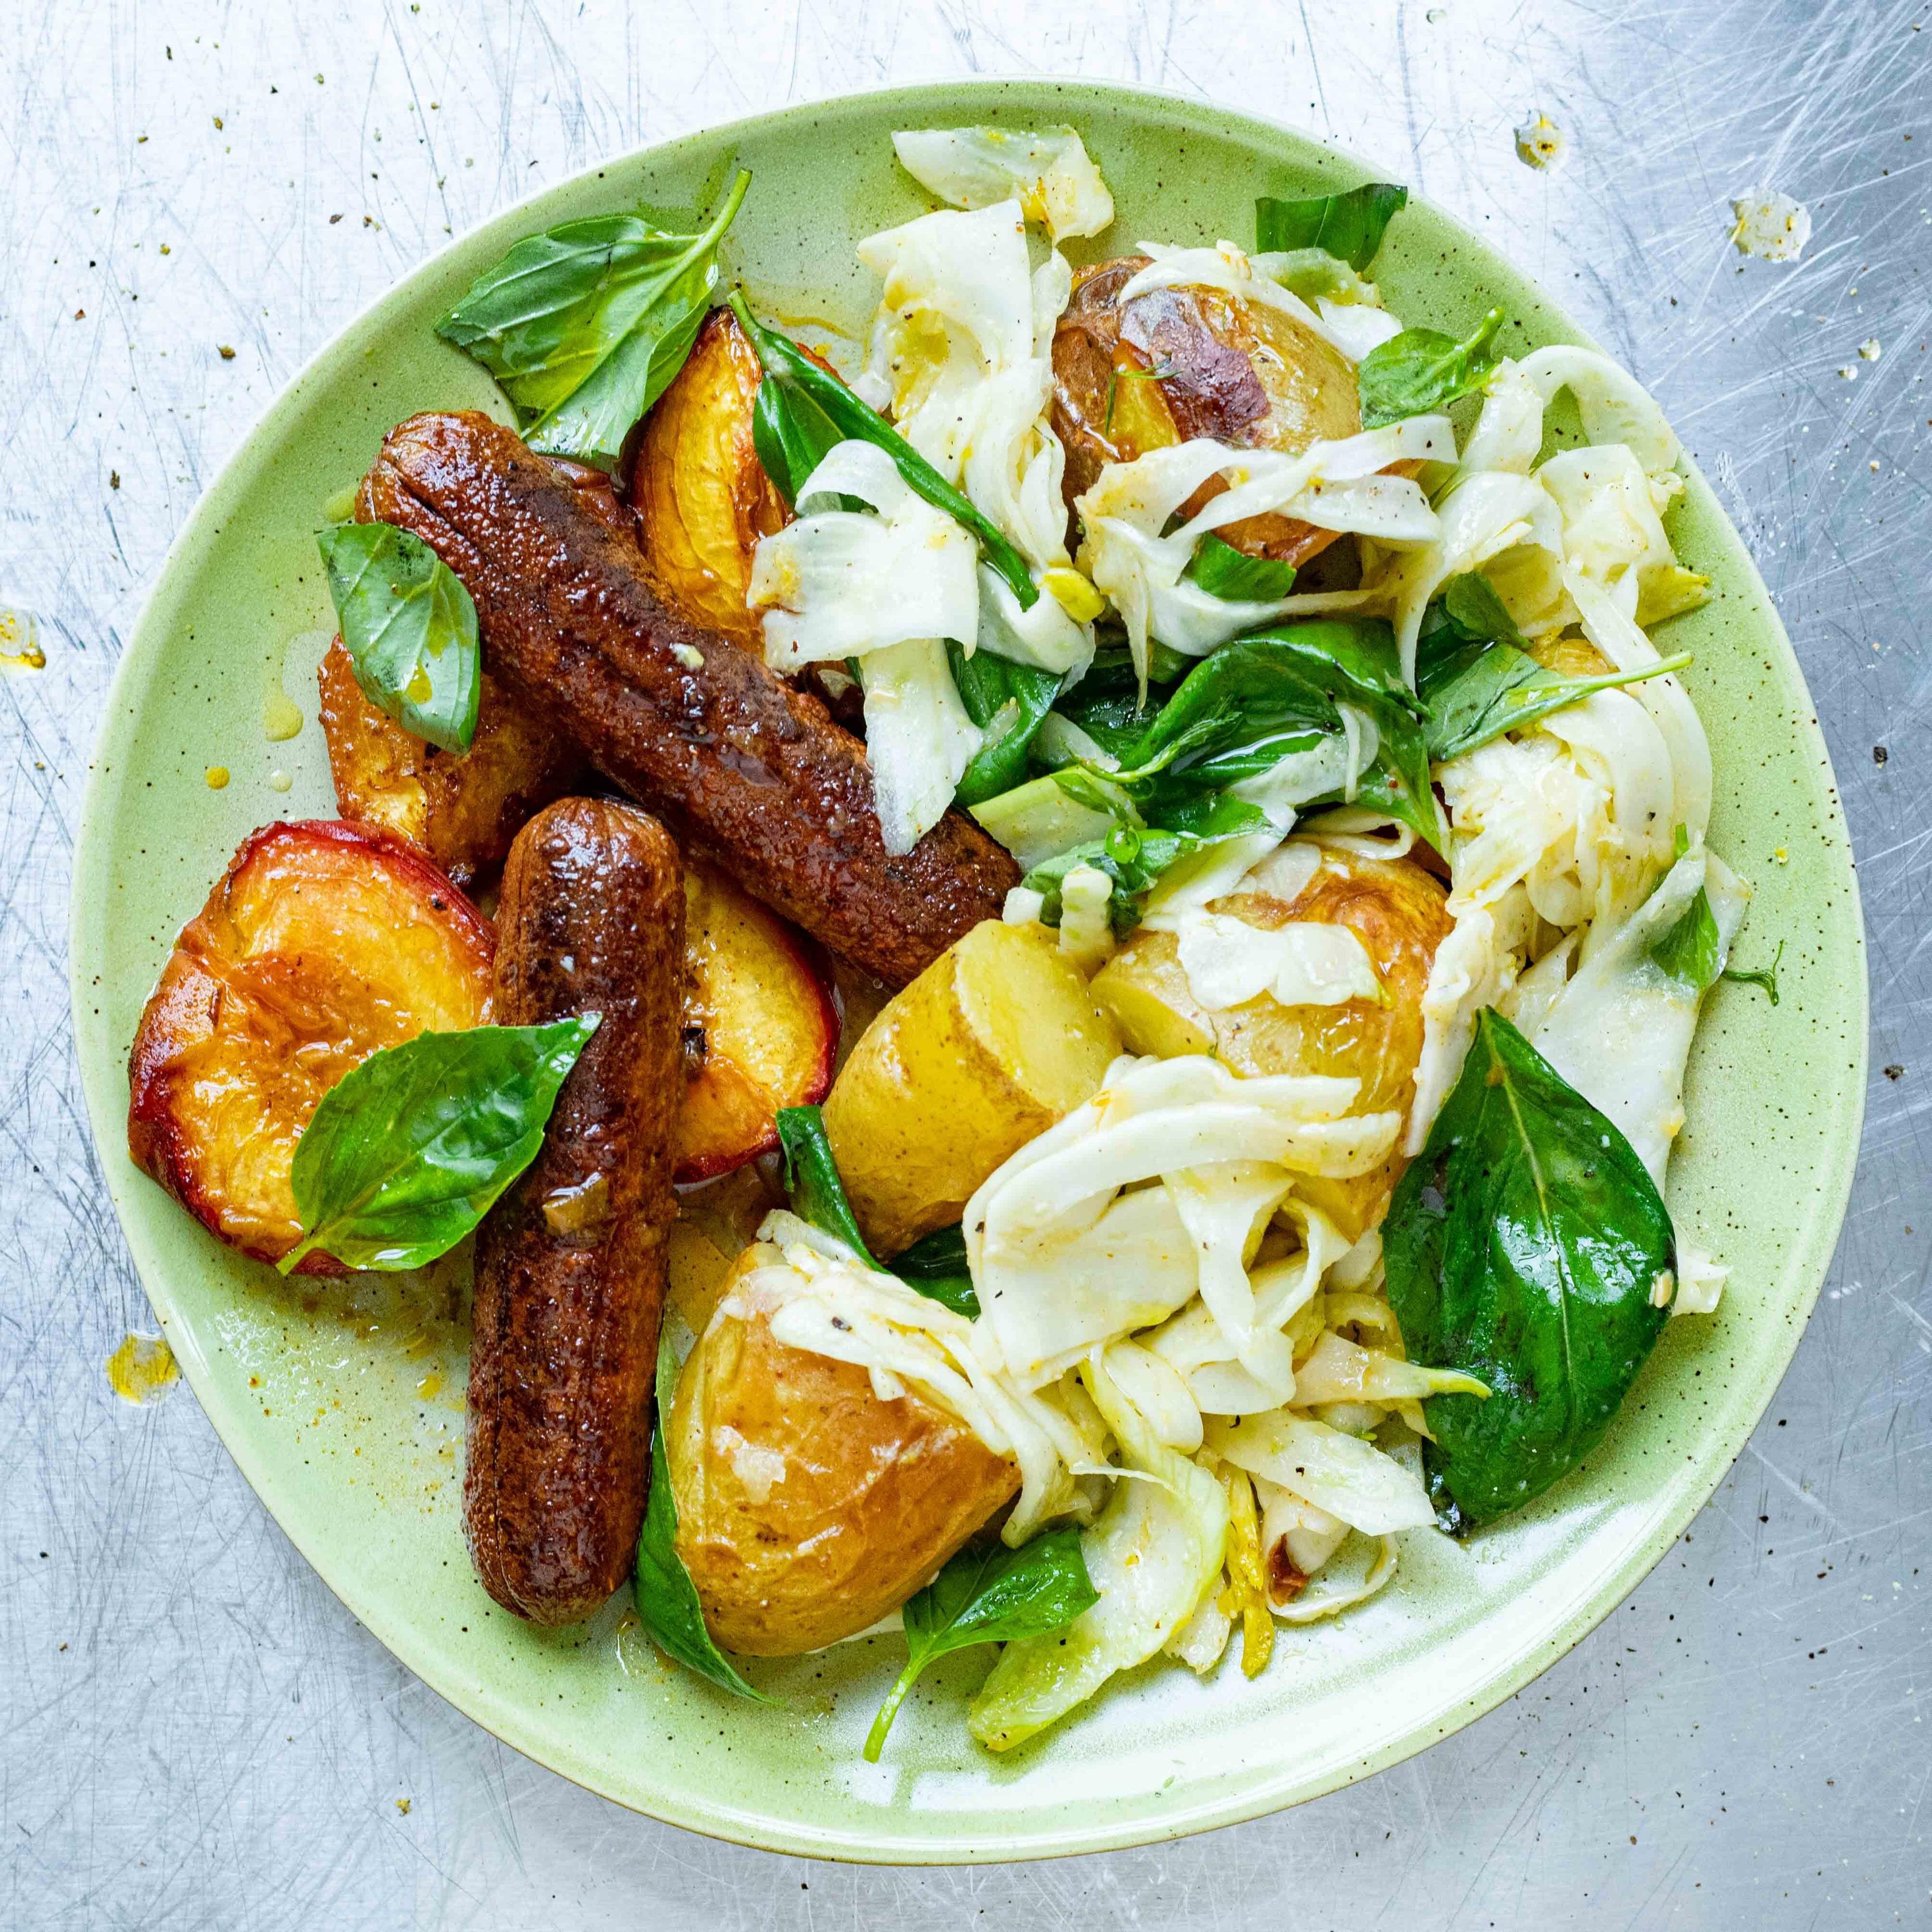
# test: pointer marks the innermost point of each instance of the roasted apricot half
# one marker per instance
(760, 1021)
(462, 809)
(702, 498)
(321, 942)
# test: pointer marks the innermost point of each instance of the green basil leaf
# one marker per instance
(993, 1595)
(1474, 673)
(1765, 978)
(791, 436)
(1692, 950)
(409, 628)
(790, 374)
(1106, 704)
(1286, 680)
(1245, 706)
(1472, 605)
(1523, 1247)
(1348, 226)
(1008, 701)
(408, 1151)
(811, 1178)
(936, 1267)
(1495, 689)
(1223, 571)
(1421, 370)
(667, 1599)
(585, 325)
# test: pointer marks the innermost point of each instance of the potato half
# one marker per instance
(462, 809)
(1397, 911)
(995, 1042)
(320, 943)
(702, 497)
(1249, 376)
(807, 1508)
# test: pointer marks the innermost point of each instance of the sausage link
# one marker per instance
(740, 765)
(571, 1262)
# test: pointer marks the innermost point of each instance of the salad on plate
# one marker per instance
(1044, 958)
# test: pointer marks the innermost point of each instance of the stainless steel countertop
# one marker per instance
(194, 1733)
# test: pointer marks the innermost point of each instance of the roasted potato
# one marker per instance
(807, 1508)
(991, 1044)
(758, 1013)
(1397, 911)
(1246, 376)
(702, 497)
(463, 810)
(321, 942)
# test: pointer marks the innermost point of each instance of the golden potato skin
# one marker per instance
(1398, 912)
(1248, 377)
(702, 498)
(995, 1042)
(463, 809)
(828, 1507)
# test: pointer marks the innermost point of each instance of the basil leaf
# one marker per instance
(1765, 978)
(992, 1595)
(1106, 704)
(1470, 600)
(1523, 1247)
(1286, 680)
(1497, 688)
(936, 1267)
(789, 375)
(1223, 571)
(791, 436)
(1009, 702)
(585, 325)
(408, 1151)
(1692, 950)
(1242, 709)
(1348, 226)
(1473, 672)
(666, 1597)
(811, 1178)
(1421, 370)
(1462, 621)
(409, 628)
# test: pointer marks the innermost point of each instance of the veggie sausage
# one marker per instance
(570, 1263)
(739, 764)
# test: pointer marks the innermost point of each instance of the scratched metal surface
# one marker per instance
(193, 1732)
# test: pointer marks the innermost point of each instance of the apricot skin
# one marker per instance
(321, 942)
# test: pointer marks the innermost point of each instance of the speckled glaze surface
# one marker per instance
(342, 1404)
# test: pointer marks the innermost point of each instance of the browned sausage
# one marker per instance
(570, 1263)
(739, 764)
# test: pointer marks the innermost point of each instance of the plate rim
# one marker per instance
(480, 1702)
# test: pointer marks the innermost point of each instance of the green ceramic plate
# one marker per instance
(342, 1405)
